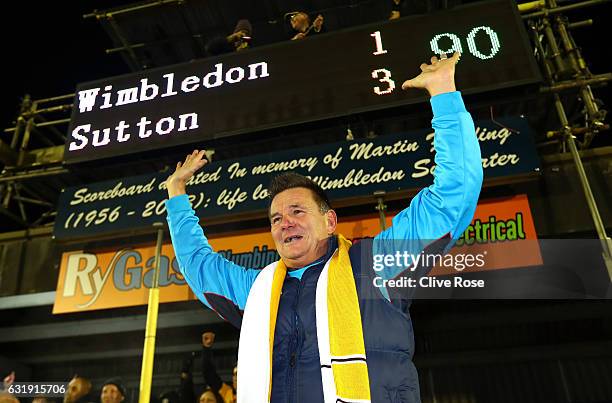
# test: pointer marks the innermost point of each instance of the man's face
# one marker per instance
(111, 394)
(300, 22)
(77, 388)
(299, 229)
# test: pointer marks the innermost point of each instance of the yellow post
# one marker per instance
(381, 207)
(148, 353)
(531, 6)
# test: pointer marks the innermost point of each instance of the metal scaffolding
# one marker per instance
(564, 68)
(35, 149)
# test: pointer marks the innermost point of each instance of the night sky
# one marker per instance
(48, 49)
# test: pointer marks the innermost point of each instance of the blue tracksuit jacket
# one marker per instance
(439, 212)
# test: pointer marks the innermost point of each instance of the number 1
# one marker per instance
(379, 45)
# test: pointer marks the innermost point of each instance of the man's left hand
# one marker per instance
(437, 77)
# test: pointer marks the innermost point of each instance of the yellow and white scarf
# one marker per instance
(344, 370)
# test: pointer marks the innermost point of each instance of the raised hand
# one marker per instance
(184, 171)
(437, 77)
(318, 23)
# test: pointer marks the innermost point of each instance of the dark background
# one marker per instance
(48, 49)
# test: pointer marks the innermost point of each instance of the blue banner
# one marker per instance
(345, 170)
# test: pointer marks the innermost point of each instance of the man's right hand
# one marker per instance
(236, 36)
(184, 171)
(208, 338)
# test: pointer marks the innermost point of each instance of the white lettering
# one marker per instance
(145, 88)
(107, 96)
(142, 125)
(253, 70)
(97, 142)
(87, 99)
(127, 96)
(190, 84)
(159, 126)
(75, 275)
(79, 137)
(214, 74)
(230, 72)
(121, 136)
(169, 85)
(193, 119)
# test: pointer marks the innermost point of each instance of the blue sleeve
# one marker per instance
(446, 207)
(204, 270)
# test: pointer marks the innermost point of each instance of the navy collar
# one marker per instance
(332, 245)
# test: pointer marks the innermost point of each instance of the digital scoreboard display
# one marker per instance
(335, 74)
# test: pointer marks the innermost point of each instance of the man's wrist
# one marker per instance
(441, 89)
(175, 188)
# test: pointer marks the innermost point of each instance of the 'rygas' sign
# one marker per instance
(127, 271)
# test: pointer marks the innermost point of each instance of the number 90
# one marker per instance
(495, 45)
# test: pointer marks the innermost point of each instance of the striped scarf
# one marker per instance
(344, 370)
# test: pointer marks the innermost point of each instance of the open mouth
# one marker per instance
(292, 238)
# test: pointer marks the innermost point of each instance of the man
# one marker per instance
(113, 391)
(79, 389)
(234, 42)
(300, 22)
(311, 332)
(209, 371)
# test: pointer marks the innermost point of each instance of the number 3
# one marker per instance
(386, 78)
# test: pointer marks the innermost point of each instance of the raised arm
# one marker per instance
(445, 208)
(222, 285)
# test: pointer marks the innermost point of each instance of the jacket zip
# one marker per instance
(292, 378)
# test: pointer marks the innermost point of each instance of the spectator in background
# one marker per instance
(209, 396)
(300, 22)
(171, 396)
(78, 391)
(8, 381)
(6, 397)
(186, 393)
(395, 9)
(402, 8)
(211, 377)
(113, 391)
(236, 41)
